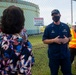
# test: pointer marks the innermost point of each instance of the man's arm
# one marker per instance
(48, 41)
(46, 38)
(55, 40)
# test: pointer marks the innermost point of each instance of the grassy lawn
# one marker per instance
(36, 39)
(41, 60)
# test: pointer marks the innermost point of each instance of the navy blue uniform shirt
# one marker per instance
(55, 50)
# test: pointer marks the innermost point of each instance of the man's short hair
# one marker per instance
(55, 11)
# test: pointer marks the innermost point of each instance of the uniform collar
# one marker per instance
(55, 24)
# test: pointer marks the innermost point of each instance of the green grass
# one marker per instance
(41, 59)
(36, 39)
(41, 62)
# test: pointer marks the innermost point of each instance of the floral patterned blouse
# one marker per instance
(15, 53)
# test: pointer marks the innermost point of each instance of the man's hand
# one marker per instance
(57, 40)
(64, 40)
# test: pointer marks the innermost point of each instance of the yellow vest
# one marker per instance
(72, 43)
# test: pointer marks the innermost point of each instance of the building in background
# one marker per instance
(31, 11)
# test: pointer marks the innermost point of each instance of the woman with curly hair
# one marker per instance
(14, 52)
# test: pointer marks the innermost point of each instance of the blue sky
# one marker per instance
(64, 6)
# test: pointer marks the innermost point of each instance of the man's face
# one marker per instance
(56, 17)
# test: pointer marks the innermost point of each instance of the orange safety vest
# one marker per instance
(72, 43)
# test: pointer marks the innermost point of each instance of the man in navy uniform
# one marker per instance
(57, 36)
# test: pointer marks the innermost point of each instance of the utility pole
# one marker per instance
(72, 11)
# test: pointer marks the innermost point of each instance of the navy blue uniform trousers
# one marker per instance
(65, 65)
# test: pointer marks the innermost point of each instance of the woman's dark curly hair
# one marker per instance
(12, 20)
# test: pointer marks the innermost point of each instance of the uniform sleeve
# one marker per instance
(46, 34)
